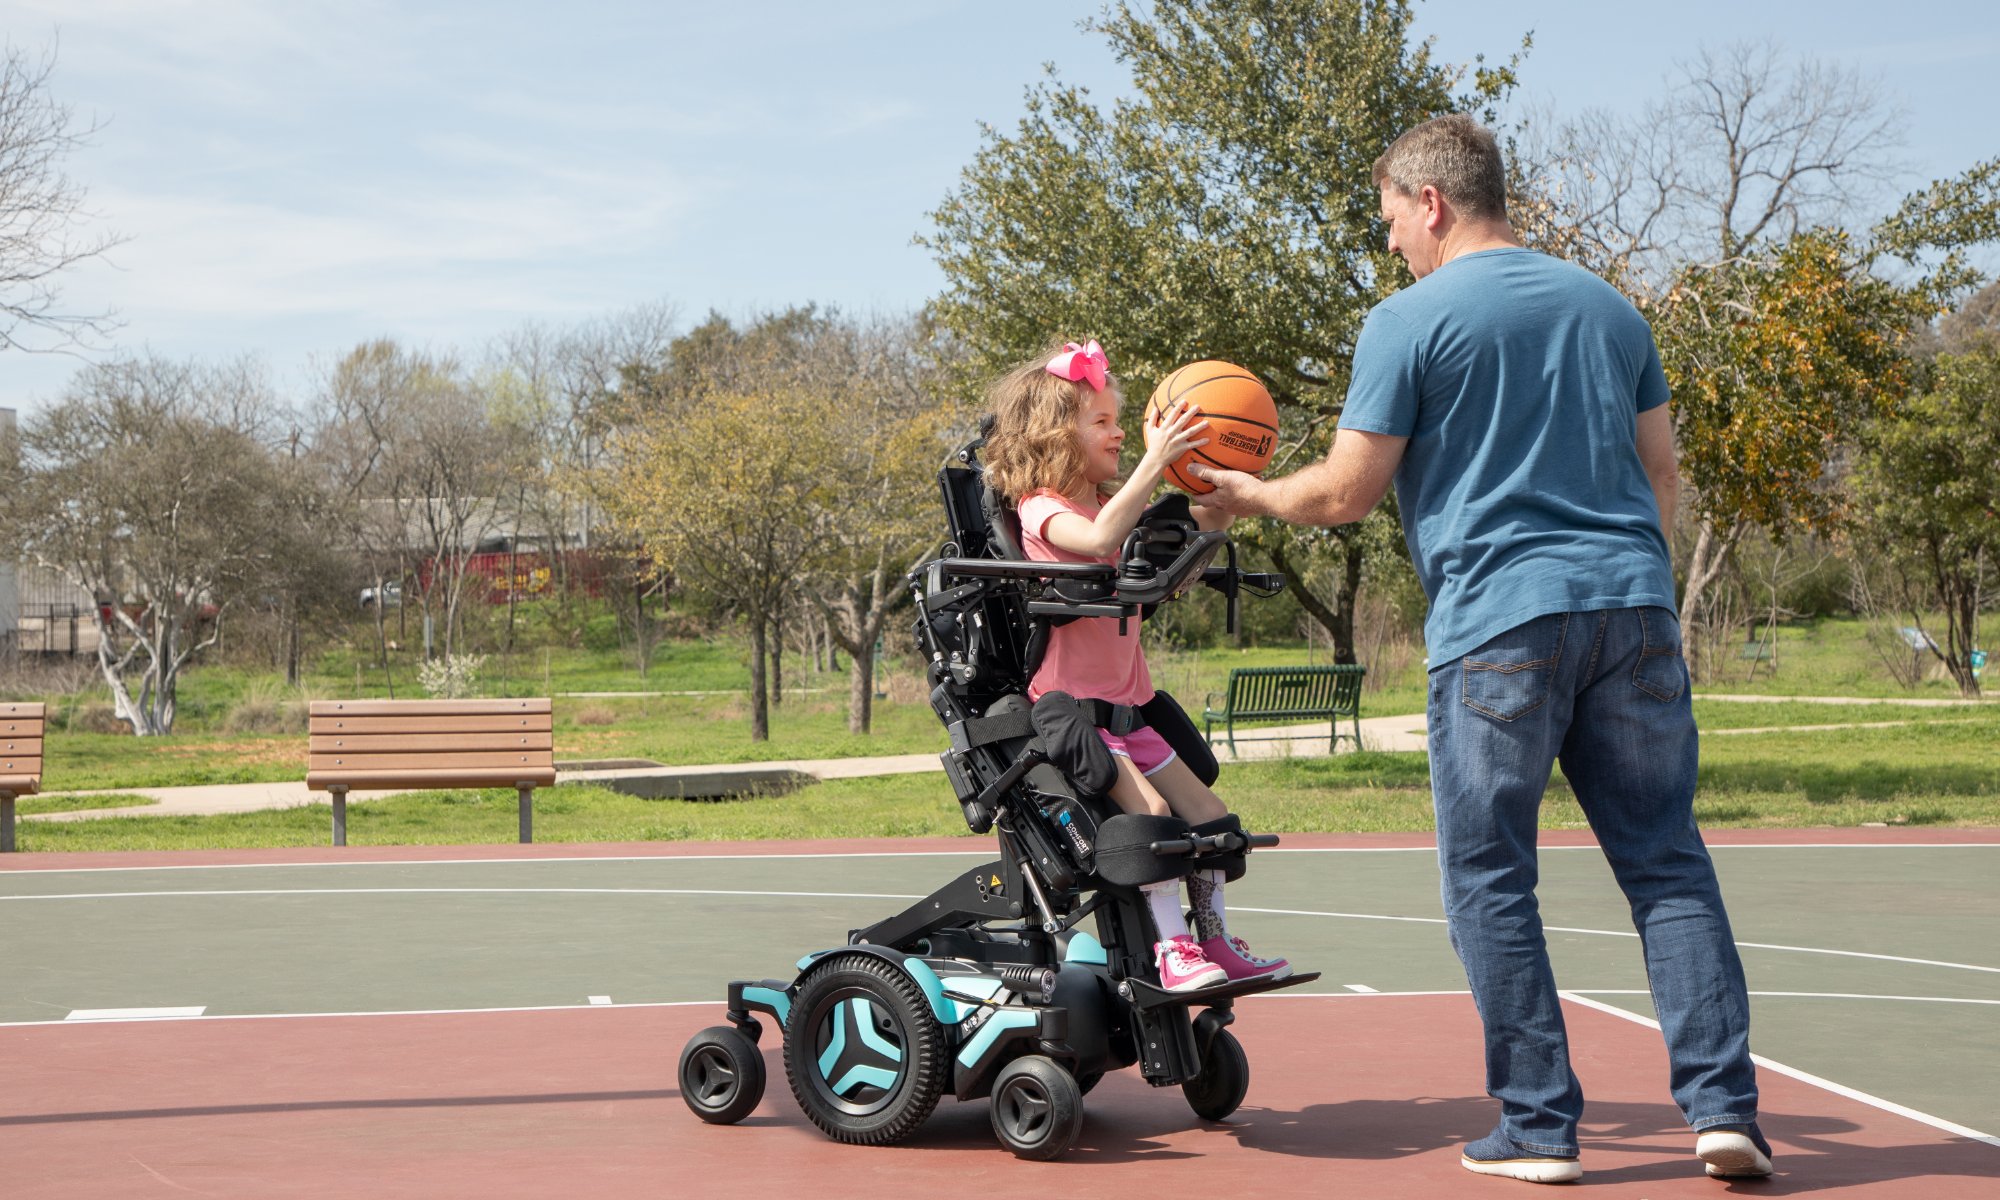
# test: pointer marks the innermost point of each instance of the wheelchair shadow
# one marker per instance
(1623, 1143)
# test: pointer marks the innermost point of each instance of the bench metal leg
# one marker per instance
(527, 812)
(6, 822)
(339, 795)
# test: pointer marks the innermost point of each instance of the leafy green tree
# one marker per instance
(723, 496)
(1225, 211)
(1775, 358)
(1928, 490)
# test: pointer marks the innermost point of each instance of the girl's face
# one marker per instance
(1098, 432)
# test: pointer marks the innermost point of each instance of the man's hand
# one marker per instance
(1235, 492)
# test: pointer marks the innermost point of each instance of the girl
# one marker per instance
(1054, 452)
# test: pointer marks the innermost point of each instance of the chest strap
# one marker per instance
(1115, 719)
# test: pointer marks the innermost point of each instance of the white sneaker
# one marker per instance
(1183, 967)
(1734, 1150)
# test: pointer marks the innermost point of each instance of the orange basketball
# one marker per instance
(1242, 419)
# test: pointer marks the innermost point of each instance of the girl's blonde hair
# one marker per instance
(1033, 443)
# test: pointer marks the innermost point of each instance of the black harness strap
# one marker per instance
(1116, 719)
(980, 731)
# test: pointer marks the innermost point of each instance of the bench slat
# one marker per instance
(319, 781)
(436, 708)
(21, 764)
(21, 785)
(497, 760)
(494, 723)
(22, 728)
(377, 743)
(14, 709)
(31, 746)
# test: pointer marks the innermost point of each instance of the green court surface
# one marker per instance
(1876, 967)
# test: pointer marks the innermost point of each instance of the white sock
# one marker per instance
(1165, 899)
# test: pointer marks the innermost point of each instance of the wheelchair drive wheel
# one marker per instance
(1037, 1108)
(722, 1075)
(1224, 1079)
(864, 1053)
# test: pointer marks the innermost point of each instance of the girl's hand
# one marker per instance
(1173, 433)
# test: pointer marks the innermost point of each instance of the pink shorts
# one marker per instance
(1145, 747)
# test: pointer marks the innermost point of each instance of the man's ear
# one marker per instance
(1435, 209)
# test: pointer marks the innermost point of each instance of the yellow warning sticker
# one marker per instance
(996, 882)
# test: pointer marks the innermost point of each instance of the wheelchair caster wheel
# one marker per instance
(1224, 1079)
(864, 1053)
(722, 1075)
(1037, 1108)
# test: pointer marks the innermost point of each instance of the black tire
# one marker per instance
(722, 1075)
(1224, 1079)
(864, 1054)
(1036, 1107)
(1085, 1082)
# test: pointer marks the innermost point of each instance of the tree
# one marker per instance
(40, 207)
(1226, 211)
(723, 497)
(888, 427)
(147, 485)
(1928, 489)
(1775, 357)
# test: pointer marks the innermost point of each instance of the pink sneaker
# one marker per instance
(1183, 967)
(1237, 962)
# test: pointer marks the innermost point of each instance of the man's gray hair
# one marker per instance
(1454, 154)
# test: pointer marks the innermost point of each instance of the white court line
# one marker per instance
(1926, 962)
(135, 1014)
(673, 858)
(474, 891)
(1808, 995)
(1839, 1089)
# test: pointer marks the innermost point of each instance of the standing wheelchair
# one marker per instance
(991, 987)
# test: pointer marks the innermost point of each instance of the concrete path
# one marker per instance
(1377, 733)
(1397, 733)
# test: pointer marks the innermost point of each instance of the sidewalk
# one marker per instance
(1377, 733)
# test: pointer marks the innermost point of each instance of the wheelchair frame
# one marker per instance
(988, 987)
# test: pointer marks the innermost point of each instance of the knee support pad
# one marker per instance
(1125, 855)
(1230, 862)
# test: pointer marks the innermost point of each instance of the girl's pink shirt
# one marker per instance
(1086, 657)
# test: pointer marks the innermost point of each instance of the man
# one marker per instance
(1518, 404)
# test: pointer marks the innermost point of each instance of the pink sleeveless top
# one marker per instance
(1086, 657)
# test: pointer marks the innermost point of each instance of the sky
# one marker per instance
(293, 177)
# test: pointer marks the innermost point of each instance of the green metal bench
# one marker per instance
(1276, 693)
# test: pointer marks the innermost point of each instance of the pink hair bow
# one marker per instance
(1085, 363)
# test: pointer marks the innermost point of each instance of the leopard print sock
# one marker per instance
(1202, 889)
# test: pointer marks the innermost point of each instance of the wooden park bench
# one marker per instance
(424, 744)
(1276, 693)
(20, 762)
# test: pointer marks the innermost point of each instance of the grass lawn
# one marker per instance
(1944, 773)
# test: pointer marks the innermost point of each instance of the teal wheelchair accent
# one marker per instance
(946, 1010)
(809, 959)
(837, 1045)
(864, 1022)
(872, 1076)
(1084, 948)
(777, 1000)
(990, 1032)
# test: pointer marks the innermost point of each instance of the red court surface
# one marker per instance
(1360, 1095)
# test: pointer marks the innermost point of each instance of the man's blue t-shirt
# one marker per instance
(1518, 379)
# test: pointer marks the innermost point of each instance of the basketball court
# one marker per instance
(505, 1021)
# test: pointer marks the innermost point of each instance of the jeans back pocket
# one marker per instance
(1662, 670)
(1513, 674)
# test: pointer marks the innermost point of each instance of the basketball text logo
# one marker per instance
(1259, 447)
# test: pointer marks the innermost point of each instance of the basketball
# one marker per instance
(1242, 419)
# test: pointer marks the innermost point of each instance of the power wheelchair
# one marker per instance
(988, 987)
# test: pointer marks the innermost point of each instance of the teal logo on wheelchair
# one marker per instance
(860, 1053)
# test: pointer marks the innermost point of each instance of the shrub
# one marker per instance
(451, 677)
(596, 715)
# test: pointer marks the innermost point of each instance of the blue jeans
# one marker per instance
(1607, 692)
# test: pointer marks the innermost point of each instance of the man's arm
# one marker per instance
(1656, 455)
(1337, 490)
